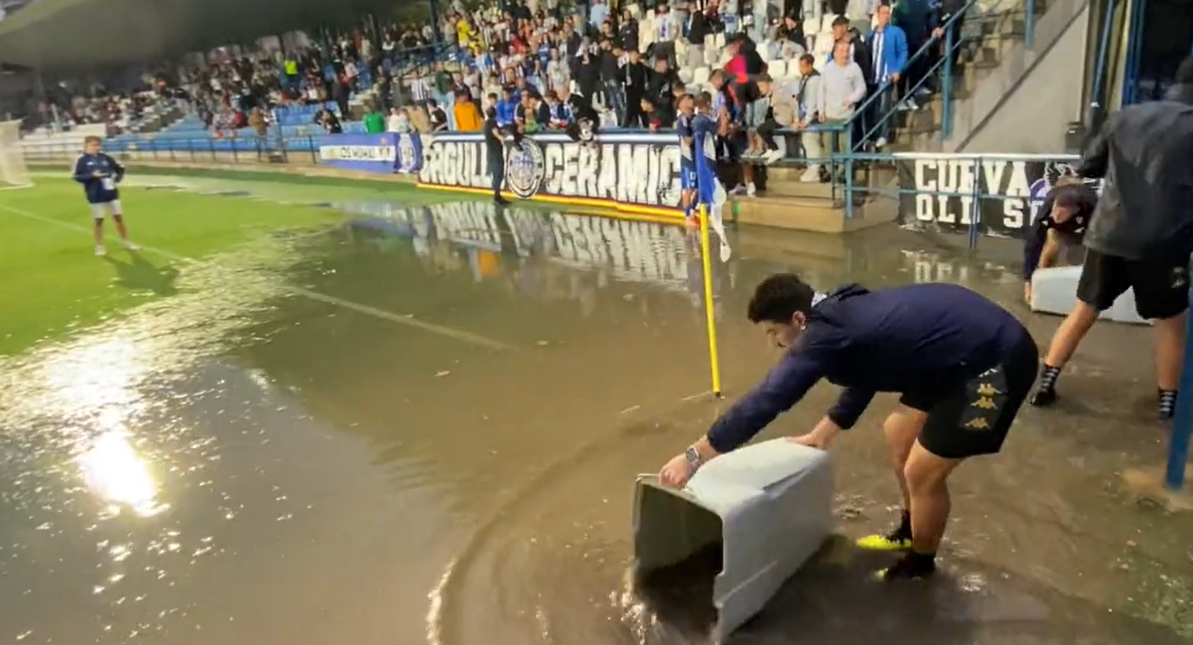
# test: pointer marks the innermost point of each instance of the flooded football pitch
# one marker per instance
(424, 425)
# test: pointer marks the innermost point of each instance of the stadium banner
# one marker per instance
(633, 172)
(362, 152)
(1009, 190)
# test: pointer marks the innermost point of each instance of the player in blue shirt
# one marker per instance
(687, 156)
(962, 364)
(99, 175)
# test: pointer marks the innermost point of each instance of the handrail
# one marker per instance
(922, 51)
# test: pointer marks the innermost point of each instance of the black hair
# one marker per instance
(1184, 73)
(808, 58)
(777, 298)
(840, 20)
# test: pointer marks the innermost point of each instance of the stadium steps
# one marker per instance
(817, 207)
(993, 41)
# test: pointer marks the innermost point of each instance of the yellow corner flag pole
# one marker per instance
(714, 358)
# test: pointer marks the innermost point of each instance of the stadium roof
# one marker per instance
(68, 34)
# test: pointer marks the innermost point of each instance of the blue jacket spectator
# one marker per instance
(888, 47)
(99, 175)
(507, 110)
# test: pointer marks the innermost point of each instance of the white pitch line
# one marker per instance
(407, 321)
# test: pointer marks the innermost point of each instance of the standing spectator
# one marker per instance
(398, 121)
(666, 32)
(613, 96)
(597, 14)
(339, 94)
(420, 89)
(861, 12)
(628, 32)
(842, 88)
(696, 31)
(558, 73)
(374, 121)
(636, 77)
(437, 115)
(889, 46)
(384, 91)
(808, 97)
(791, 33)
(468, 117)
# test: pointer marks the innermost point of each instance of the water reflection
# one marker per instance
(524, 244)
(115, 473)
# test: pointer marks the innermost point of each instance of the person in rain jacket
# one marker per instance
(962, 364)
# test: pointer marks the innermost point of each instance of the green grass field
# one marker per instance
(51, 281)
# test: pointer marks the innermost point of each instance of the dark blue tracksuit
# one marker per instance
(99, 190)
(1072, 231)
(927, 342)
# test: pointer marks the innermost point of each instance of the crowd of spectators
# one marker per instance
(537, 68)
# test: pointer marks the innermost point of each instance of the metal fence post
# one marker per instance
(1182, 419)
(975, 209)
(1029, 23)
(946, 85)
(848, 170)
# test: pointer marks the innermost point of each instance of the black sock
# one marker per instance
(921, 562)
(1167, 403)
(1048, 377)
(904, 530)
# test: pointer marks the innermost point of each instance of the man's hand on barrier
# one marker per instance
(821, 437)
(677, 472)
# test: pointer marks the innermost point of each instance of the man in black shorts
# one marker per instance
(1141, 234)
(962, 364)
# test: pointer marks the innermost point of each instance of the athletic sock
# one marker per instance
(903, 531)
(1167, 404)
(1046, 393)
(1048, 377)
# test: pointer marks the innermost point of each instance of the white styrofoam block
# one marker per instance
(1054, 291)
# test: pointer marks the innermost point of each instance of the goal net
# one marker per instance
(13, 171)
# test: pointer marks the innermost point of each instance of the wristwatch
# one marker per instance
(693, 457)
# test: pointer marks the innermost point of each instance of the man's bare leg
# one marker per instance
(901, 428)
(1170, 354)
(927, 478)
(1064, 344)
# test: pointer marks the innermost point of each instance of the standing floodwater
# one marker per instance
(424, 424)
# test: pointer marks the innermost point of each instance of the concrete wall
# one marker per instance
(1025, 105)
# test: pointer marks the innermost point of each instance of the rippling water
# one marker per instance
(425, 426)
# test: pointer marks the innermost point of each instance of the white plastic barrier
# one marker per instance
(768, 505)
(1054, 291)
